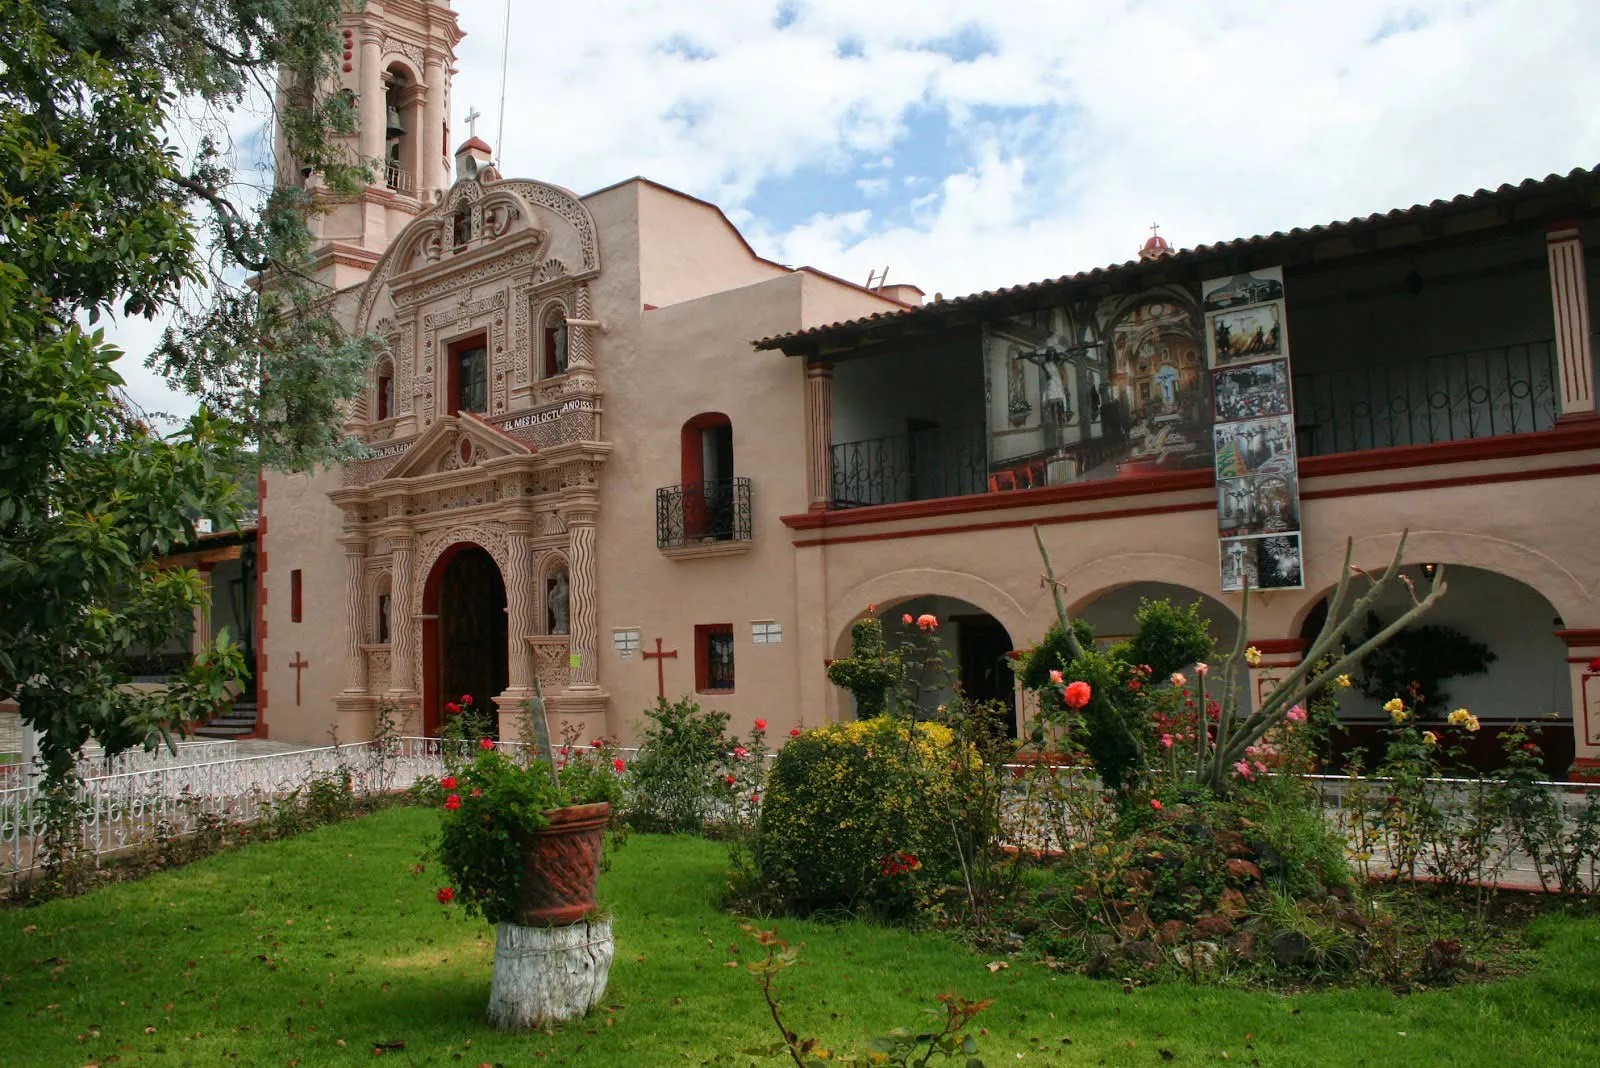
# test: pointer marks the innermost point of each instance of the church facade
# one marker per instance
(612, 454)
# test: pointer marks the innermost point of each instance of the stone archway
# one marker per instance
(464, 632)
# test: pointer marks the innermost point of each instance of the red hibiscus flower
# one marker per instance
(486, 743)
(1077, 695)
(452, 802)
(448, 782)
(446, 895)
(620, 765)
(452, 708)
(761, 724)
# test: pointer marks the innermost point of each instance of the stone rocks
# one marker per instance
(1232, 904)
(1243, 945)
(1135, 925)
(1232, 843)
(1290, 948)
(1213, 925)
(1172, 933)
(1266, 857)
(1143, 952)
(1198, 955)
(1243, 870)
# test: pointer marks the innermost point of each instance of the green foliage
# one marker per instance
(1051, 654)
(100, 214)
(1416, 661)
(489, 809)
(674, 780)
(871, 672)
(857, 814)
(1169, 638)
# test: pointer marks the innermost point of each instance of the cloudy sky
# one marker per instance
(969, 145)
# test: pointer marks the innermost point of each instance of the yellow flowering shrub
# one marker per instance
(856, 813)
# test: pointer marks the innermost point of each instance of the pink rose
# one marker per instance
(1078, 694)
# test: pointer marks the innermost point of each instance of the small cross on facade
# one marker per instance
(472, 122)
(661, 667)
(299, 664)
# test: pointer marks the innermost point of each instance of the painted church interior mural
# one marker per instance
(1110, 389)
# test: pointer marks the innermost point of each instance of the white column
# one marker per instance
(1569, 293)
(402, 628)
(372, 100)
(355, 629)
(819, 435)
(434, 170)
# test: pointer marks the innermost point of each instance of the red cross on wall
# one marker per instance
(299, 663)
(661, 668)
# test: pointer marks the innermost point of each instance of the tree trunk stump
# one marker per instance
(546, 975)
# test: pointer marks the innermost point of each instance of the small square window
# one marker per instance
(713, 656)
(625, 642)
(766, 633)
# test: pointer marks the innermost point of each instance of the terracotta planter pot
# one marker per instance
(561, 865)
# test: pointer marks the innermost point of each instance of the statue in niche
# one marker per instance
(558, 604)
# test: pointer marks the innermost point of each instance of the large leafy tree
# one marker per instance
(100, 214)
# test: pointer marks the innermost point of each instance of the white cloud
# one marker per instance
(1081, 123)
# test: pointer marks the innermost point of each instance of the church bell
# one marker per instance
(395, 130)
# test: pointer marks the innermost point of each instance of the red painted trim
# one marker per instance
(1584, 769)
(1042, 521)
(1589, 737)
(1559, 439)
(1023, 498)
(1585, 636)
(1280, 645)
(261, 605)
(1485, 479)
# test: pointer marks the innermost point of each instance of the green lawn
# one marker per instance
(315, 949)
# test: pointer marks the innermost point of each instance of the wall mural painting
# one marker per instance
(1253, 439)
(1110, 389)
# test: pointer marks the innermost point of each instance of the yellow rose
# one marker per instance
(1343, 681)
(1393, 705)
(1429, 738)
(1472, 723)
(1459, 716)
(1252, 656)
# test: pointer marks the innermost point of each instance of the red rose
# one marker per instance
(486, 743)
(794, 732)
(907, 618)
(476, 792)
(452, 708)
(1155, 804)
(620, 764)
(466, 699)
(761, 724)
(446, 895)
(729, 779)
(1594, 665)
(452, 802)
(597, 744)
(755, 799)
(1077, 695)
(448, 782)
(928, 622)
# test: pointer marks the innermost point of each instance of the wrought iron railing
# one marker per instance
(698, 512)
(919, 466)
(1459, 395)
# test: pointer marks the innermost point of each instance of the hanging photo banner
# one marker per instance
(1253, 431)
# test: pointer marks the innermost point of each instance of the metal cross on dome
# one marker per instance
(472, 122)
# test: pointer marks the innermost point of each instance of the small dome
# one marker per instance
(1155, 247)
(475, 142)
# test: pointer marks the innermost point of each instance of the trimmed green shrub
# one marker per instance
(857, 814)
(673, 781)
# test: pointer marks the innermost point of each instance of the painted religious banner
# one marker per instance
(1114, 388)
(1253, 432)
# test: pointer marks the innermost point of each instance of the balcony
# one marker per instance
(1452, 397)
(704, 515)
(398, 178)
(919, 466)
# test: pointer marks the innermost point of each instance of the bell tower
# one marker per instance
(396, 63)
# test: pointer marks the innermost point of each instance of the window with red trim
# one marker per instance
(713, 658)
(707, 467)
(294, 596)
(468, 368)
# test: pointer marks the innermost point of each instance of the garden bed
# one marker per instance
(327, 947)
